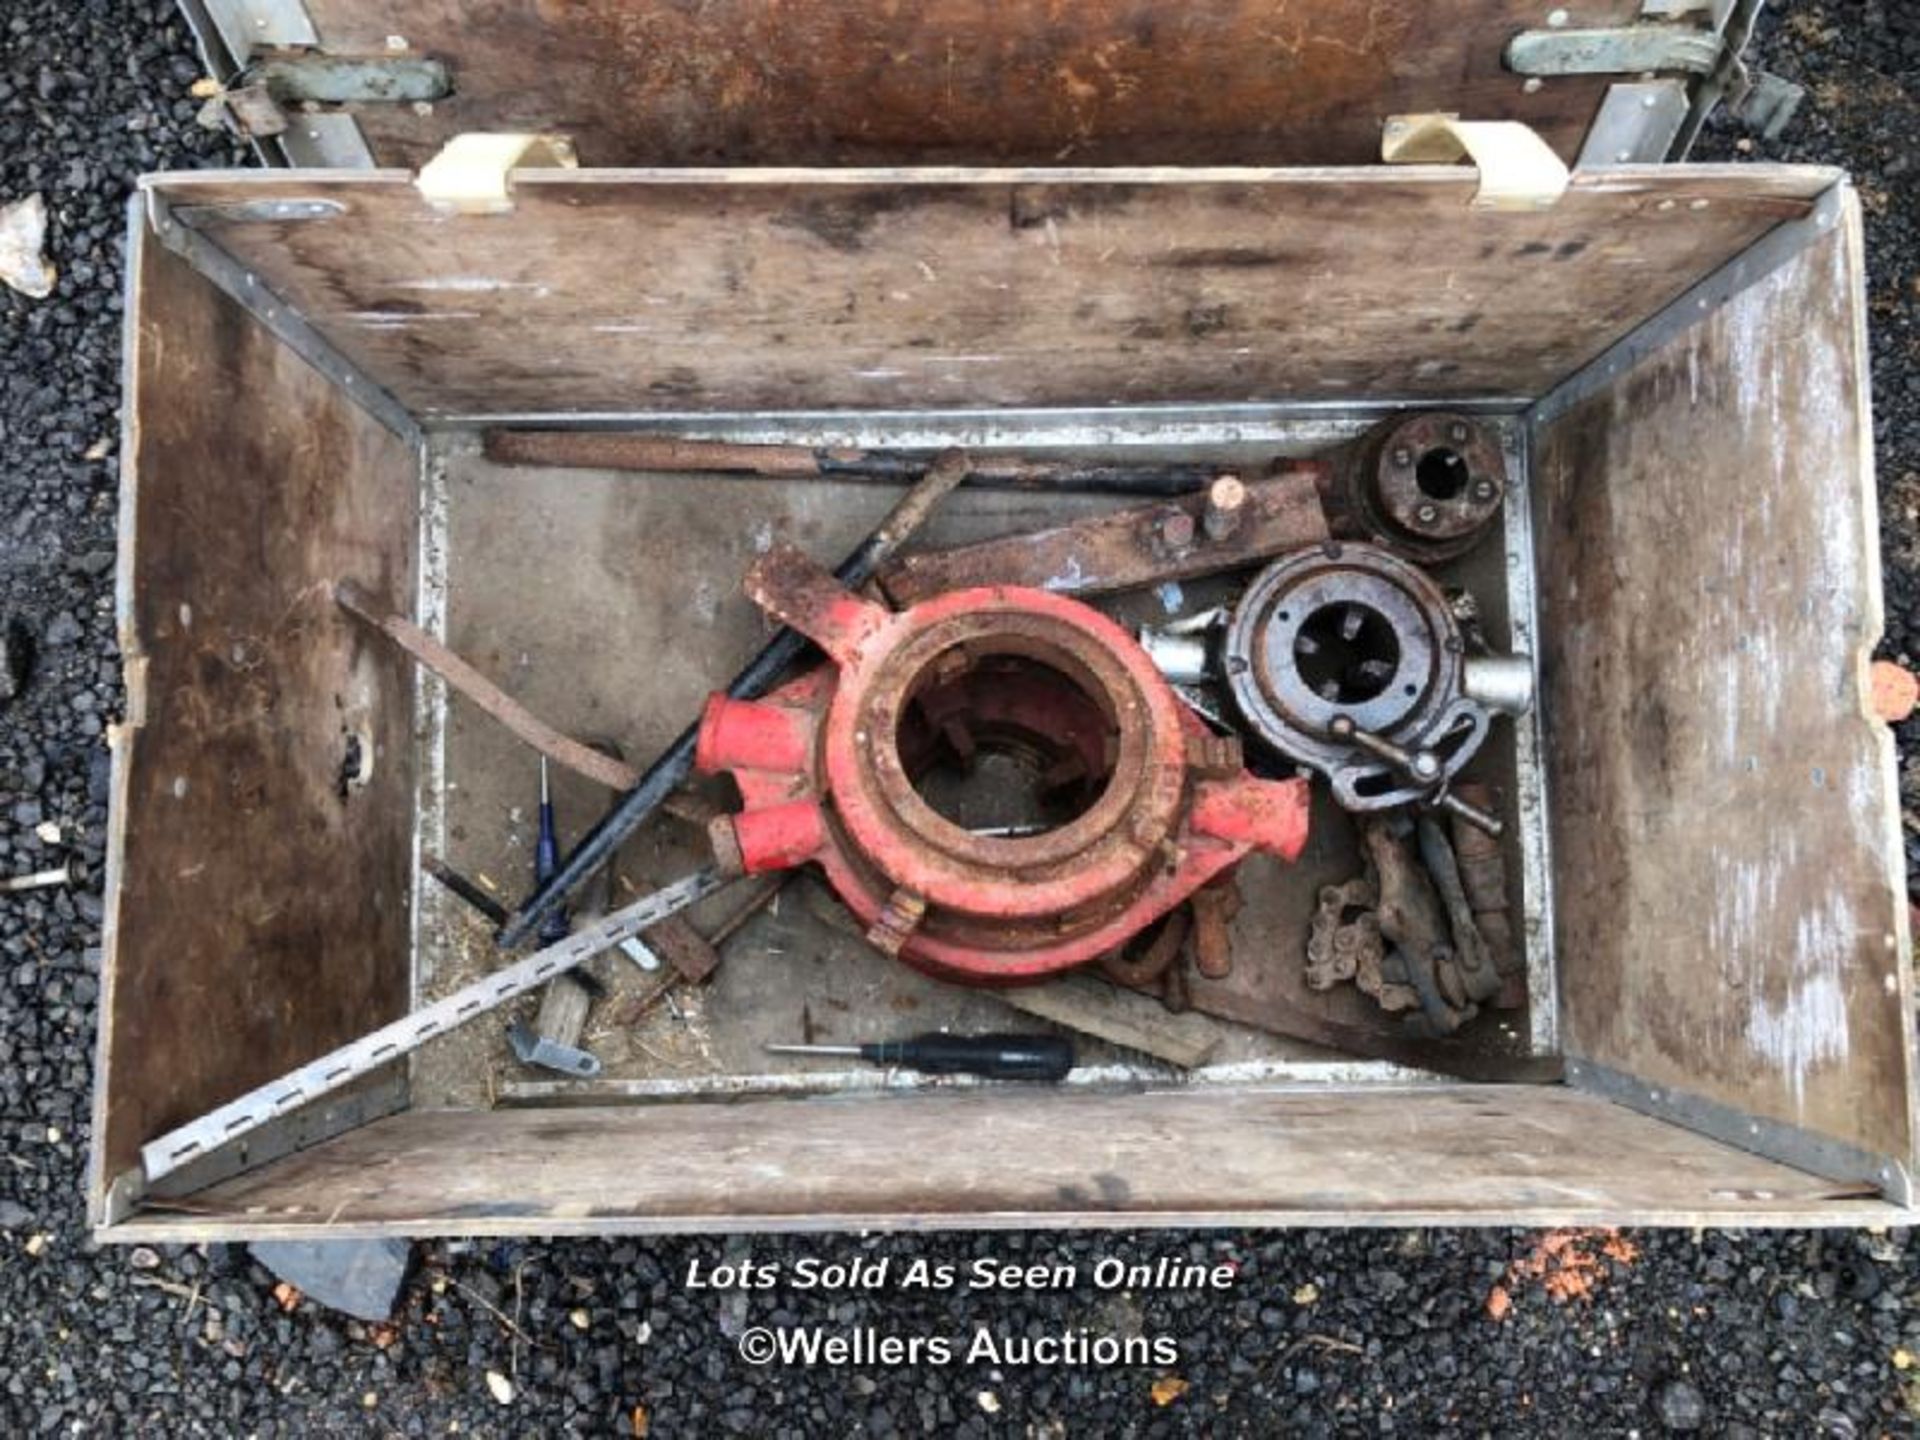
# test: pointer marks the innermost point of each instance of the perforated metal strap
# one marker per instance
(363, 1056)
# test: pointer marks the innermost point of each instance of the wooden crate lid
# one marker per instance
(973, 82)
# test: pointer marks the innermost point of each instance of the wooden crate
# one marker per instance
(1678, 352)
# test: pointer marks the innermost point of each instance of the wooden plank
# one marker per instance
(878, 290)
(1094, 1007)
(1494, 1155)
(1728, 870)
(257, 903)
(826, 82)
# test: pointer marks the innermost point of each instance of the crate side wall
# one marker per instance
(960, 82)
(1728, 870)
(705, 292)
(1021, 1157)
(262, 825)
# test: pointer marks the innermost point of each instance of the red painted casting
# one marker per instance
(1147, 804)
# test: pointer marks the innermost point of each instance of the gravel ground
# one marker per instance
(1320, 1332)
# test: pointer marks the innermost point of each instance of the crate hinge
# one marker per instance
(1518, 170)
(471, 174)
(1636, 123)
(284, 90)
(1711, 55)
(310, 77)
(1617, 50)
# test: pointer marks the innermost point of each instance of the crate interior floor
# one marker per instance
(610, 603)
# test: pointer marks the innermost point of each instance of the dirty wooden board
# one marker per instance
(830, 82)
(610, 603)
(1726, 846)
(1490, 1155)
(258, 914)
(748, 290)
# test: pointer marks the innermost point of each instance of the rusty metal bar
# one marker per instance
(655, 454)
(561, 749)
(1144, 545)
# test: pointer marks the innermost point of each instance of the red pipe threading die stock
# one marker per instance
(1150, 803)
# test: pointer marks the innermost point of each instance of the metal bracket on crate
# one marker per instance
(1775, 1140)
(249, 25)
(1518, 170)
(252, 1111)
(1619, 50)
(311, 78)
(1637, 124)
(470, 174)
(1710, 55)
(280, 98)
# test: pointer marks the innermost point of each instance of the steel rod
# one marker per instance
(461, 676)
(669, 454)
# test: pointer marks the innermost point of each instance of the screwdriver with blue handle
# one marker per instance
(992, 1057)
(556, 924)
(546, 864)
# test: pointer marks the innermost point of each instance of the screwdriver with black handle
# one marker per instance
(992, 1057)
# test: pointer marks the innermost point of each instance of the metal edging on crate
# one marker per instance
(245, 24)
(1770, 1139)
(285, 323)
(296, 1130)
(286, 1094)
(1531, 801)
(1229, 423)
(1777, 247)
(1094, 1079)
(432, 905)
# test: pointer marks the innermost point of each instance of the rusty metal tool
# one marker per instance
(1227, 526)
(461, 676)
(1427, 486)
(667, 454)
(1423, 767)
(991, 1057)
(1483, 875)
(242, 1116)
(1478, 977)
(1349, 660)
(692, 956)
(671, 770)
(1142, 804)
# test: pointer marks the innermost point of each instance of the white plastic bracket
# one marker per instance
(1518, 170)
(470, 175)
